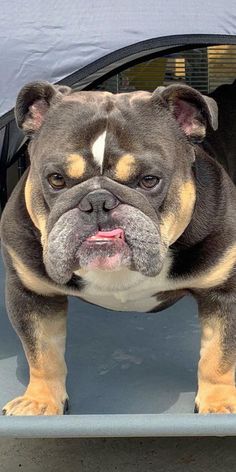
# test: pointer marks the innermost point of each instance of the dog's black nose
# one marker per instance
(98, 201)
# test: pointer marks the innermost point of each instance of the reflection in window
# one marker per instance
(202, 68)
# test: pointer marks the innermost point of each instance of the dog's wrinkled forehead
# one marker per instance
(92, 133)
(98, 133)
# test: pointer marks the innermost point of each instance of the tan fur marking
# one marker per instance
(211, 353)
(125, 167)
(216, 386)
(174, 224)
(219, 273)
(76, 166)
(39, 220)
(46, 392)
(30, 280)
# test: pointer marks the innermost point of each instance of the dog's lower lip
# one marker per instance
(100, 241)
(106, 236)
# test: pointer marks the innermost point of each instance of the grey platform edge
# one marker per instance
(129, 374)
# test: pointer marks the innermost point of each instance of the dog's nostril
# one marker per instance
(110, 203)
(86, 206)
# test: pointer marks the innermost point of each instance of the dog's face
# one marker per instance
(110, 183)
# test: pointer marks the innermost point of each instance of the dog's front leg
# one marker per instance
(216, 370)
(41, 324)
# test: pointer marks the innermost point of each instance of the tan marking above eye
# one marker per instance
(75, 166)
(125, 167)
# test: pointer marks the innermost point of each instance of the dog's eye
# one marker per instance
(56, 181)
(149, 182)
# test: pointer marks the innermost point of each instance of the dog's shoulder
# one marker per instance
(18, 233)
(15, 216)
(20, 240)
(215, 202)
(207, 248)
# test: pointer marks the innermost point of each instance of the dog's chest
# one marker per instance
(125, 290)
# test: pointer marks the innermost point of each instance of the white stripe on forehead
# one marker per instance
(98, 149)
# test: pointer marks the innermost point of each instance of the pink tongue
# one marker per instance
(115, 233)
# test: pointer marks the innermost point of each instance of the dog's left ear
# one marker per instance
(192, 110)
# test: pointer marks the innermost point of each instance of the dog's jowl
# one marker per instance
(122, 208)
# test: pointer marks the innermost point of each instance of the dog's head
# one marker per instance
(110, 182)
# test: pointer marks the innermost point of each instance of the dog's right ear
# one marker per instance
(33, 103)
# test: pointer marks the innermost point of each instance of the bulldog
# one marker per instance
(122, 208)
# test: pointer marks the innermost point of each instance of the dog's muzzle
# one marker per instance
(106, 229)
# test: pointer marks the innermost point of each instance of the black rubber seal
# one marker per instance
(144, 48)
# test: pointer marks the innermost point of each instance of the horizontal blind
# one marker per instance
(203, 68)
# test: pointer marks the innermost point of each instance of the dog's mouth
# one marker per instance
(106, 250)
(104, 237)
(130, 241)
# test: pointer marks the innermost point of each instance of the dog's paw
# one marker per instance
(217, 399)
(30, 406)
